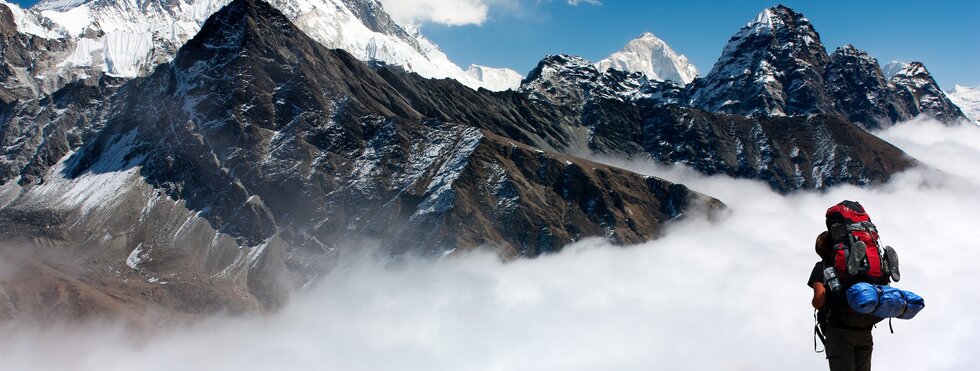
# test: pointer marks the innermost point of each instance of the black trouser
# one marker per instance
(848, 350)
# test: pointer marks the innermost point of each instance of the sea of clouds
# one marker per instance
(724, 295)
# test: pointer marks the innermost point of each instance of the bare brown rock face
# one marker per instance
(48, 285)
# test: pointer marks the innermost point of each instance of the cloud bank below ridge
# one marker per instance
(709, 295)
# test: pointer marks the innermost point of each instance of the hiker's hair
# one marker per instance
(824, 246)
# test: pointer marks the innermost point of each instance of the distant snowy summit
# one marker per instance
(129, 38)
(494, 78)
(654, 58)
(968, 99)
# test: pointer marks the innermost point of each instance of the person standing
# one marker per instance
(847, 338)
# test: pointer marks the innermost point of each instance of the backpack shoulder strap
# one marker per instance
(818, 334)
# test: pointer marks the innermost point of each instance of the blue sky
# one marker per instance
(945, 35)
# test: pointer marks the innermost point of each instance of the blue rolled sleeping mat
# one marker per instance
(884, 301)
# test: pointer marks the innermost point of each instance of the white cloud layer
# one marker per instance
(448, 12)
(725, 296)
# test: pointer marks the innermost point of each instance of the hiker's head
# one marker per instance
(824, 246)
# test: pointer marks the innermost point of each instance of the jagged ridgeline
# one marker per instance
(774, 107)
(239, 169)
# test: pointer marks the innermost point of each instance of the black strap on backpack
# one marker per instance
(817, 334)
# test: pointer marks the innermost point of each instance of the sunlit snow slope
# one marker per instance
(968, 99)
(127, 38)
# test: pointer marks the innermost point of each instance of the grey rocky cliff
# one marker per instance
(777, 66)
(859, 86)
(774, 66)
(919, 91)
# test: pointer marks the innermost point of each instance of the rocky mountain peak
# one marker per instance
(561, 79)
(559, 61)
(778, 19)
(654, 58)
(912, 70)
(849, 51)
(773, 66)
(575, 82)
(848, 55)
(920, 91)
(861, 90)
(240, 22)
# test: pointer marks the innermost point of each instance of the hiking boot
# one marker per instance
(856, 257)
(892, 259)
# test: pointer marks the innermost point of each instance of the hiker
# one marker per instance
(846, 335)
(851, 288)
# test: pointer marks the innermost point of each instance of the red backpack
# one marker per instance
(858, 256)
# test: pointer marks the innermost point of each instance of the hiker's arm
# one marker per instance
(819, 295)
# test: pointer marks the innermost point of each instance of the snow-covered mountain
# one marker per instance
(493, 78)
(653, 57)
(127, 38)
(968, 99)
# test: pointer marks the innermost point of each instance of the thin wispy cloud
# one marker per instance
(460, 12)
(577, 2)
(447, 12)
